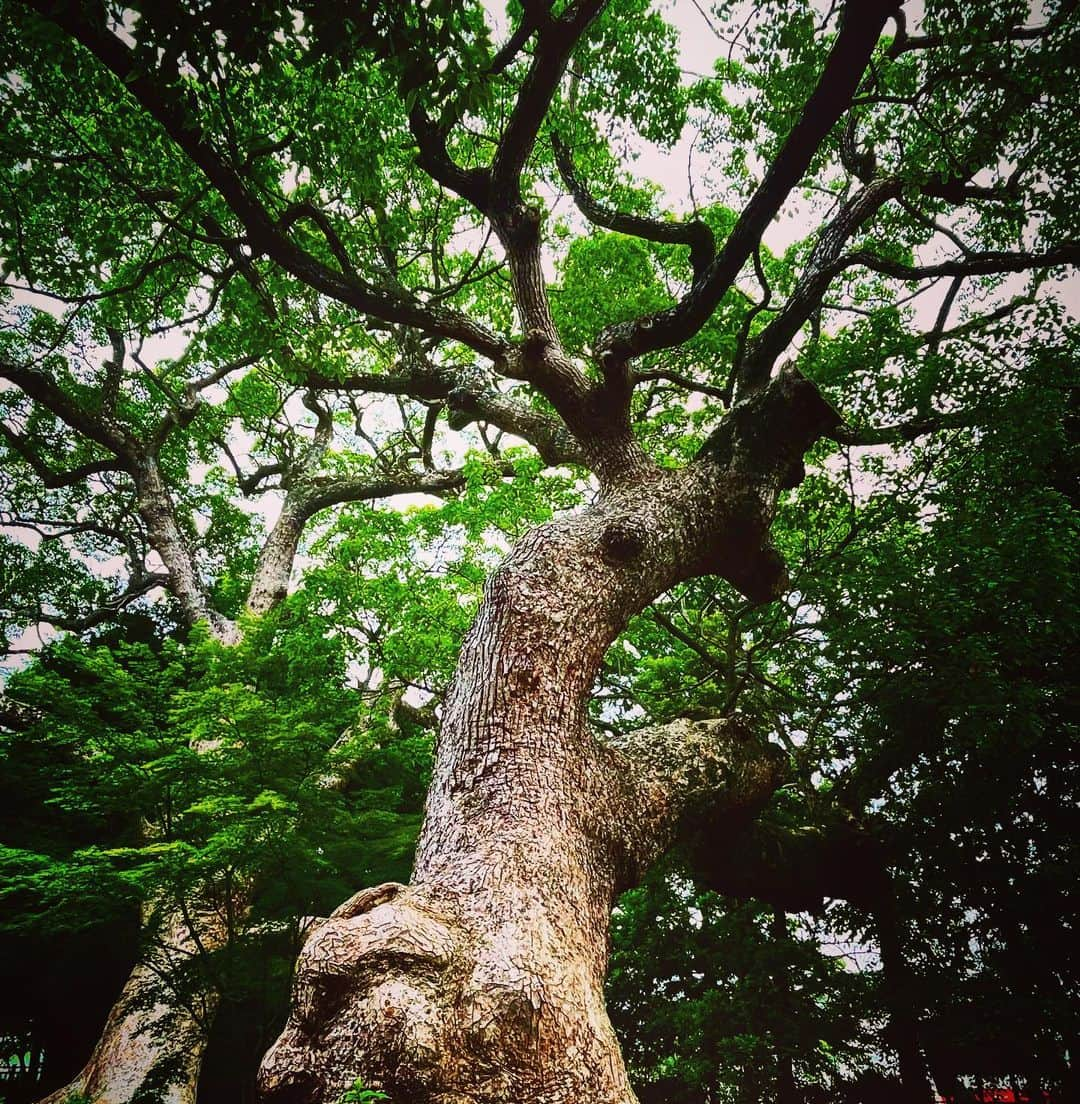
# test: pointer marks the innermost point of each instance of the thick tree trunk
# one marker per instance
(152, 1045)
(481, 981)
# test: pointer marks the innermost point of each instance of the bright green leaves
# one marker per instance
(173, 767)
(631, 72)
(84, 212)
(625, 268)
(253, 399)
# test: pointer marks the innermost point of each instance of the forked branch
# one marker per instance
(859, 32)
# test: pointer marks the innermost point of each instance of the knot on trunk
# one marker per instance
(368, 999)
(767, 433)
(621, 542)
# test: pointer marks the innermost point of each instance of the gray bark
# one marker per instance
(156, 1033)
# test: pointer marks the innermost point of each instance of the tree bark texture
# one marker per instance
(482, 981)
(152, 1045)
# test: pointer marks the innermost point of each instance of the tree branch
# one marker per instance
(671, 776)
(763, 350)
(989, 263)
(903, 431)
(327, 491)
(50, 479)
(156, 508)
(531, 19)
(167, 106)
(859, 33)
(555, 42)
(139, 585)
(313, 493)
(39, 386)
(694, 234)
(546, 434)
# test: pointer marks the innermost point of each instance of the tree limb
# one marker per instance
(988, 263)
(167, 106)
(555, 41)
(694, 234)
(673, 774)
(762, 351)
(50, 479)
(903, 432)
(859, 32)
(39, 386)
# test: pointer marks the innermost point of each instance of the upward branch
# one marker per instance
(555, 43)
(862, 23)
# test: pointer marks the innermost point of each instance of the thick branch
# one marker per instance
(466, 403)
(315, 493)
(158, 512)
(859, 32)
(555, 42)
(50, 479)
(760, 446)
(531, 18)
(546, 434)
(694, 234)
(39, 386)
(327, 491)
(673, 775)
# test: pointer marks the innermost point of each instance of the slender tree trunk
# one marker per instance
(481, 982)
(786, 1089)
(156, 1033)
(903, 1019)
(153, 1042)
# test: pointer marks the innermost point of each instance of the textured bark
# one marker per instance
(482, 981)
(156, 508)
(154, 1039)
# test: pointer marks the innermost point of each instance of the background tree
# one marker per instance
(346, 221)
(197, 782)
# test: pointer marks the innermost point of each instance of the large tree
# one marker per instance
(350, 221)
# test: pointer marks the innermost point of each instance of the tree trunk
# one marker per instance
(898, 993)
(482, 981)
(787, 1091)
(152, 1045)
